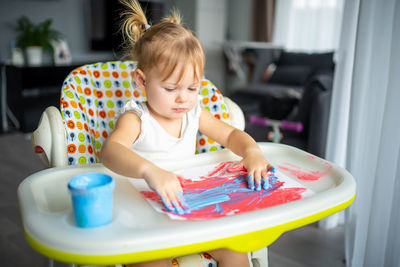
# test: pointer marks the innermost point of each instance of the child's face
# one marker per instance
(172, 98)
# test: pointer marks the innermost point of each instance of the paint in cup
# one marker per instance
(92, 198)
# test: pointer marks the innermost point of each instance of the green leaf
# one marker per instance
(41, 34)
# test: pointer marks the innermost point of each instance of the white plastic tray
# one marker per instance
(137, 231)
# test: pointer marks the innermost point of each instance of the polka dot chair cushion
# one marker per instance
(93, 94)
(213, 101)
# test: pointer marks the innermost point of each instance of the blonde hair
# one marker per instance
(168, 43)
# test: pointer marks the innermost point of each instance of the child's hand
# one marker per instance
(257, 166)
(167, 186)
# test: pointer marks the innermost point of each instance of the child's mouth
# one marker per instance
(179, 110)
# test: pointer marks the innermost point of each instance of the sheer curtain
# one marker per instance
(312, 26)
(364, 131)
(309, 25)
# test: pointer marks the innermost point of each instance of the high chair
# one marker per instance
(71, 141)
(91, 98)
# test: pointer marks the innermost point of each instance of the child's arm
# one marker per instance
(240, 143)
(118, 157)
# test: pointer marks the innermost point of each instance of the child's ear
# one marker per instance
(140, 79)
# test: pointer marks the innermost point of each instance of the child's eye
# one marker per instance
(192, 88)
(169, 89)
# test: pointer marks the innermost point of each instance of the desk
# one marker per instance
(31, 89)
(138, 233)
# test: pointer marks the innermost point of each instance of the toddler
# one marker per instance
(170, 66)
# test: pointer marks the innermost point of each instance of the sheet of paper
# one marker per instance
(218, 190)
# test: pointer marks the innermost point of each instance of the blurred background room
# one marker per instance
(330, 65)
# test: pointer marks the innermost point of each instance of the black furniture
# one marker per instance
(312, 111)
(3, 102)
(31, 89)
(277, 95)
(299, 89)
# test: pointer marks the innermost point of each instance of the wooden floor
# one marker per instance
(308, 246)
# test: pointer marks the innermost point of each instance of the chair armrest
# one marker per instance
(235, 114)
(319, 119)
(49, 139)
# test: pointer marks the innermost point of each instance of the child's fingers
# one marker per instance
(177, 208)
(265, 180)
(178, 204)
(180, 196)
(170, 202)
(254, 181)
(270, 178)
(257, 181)
(183, 202)
(250, 181)
(175, 203)
(167, 204)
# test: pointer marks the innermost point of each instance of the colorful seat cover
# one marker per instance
(93, 94)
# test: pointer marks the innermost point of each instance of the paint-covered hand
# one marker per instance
(168, 187)
(257, 166)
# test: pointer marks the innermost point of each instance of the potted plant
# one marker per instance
(35, 38)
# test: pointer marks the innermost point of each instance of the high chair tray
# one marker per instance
(139, 233)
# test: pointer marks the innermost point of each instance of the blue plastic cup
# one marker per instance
(92, 198)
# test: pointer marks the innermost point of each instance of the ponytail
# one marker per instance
(134, 23)
(175, 17)
(168, 42)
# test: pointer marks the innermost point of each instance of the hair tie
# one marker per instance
(146, 26)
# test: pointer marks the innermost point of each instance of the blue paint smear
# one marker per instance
(219, 208)
(198, 199)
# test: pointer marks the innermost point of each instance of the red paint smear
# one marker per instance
(231, 207)
(310, 156)
(241, 199)
(328, 164)
(218, 168)
(237, 168)
(152, 196)
(303, 175)
(278, 197)
(291, 165)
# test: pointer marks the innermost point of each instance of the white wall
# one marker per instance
(68, 18)
(239, 28)
(209, 19)
(211, 30)
(239, 14)
(213, 22)
(187, 8)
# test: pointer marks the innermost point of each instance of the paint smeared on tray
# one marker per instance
(301, 173)
(220, 190)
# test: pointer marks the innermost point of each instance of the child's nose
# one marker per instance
(181, 97)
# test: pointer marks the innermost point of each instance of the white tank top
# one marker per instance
(154, 143)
